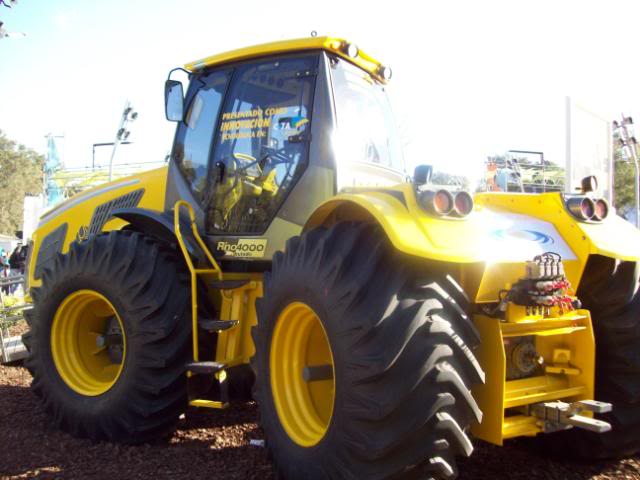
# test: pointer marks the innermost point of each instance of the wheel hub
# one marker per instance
(302, 374)
(112, 340)
(88, 343)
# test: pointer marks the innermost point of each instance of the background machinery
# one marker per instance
(282, 254)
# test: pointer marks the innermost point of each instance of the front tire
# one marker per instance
(392, 398)
(109, 338)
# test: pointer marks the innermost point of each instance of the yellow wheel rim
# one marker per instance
(303, 399)
(87, 349)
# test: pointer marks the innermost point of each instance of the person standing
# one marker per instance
(16, 265)
(4, 271)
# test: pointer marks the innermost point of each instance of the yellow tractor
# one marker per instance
(381, 322)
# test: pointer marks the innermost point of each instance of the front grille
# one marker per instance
(102, 213)
(50, 246)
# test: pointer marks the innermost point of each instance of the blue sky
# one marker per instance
(470, 78)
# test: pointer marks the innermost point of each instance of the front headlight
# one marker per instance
(587, 209)
(437, 202)
(601, 209)
(444, 203)
(463, 204)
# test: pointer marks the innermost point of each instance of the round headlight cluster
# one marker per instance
(350, 49)
(385, 72)
(463, 204)
(443, 203)
(588, 209)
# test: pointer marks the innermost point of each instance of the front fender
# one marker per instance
(409, 228)
(503, 232)
(150, 222)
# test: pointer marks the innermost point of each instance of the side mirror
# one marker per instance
(173, 101)
(422, 174)
(589, 184)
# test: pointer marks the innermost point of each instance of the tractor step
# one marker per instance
(228, 284)
(213, 325)
(204, 403)
(204, 368)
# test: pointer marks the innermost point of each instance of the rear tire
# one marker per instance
(399, 350)
(616, 322)
(618, 382)
(146, 285)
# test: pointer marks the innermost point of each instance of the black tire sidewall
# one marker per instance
(362, 290)
(269, 414)
(113, 399)
(147, 285)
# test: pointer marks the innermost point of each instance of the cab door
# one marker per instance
(260, 150)
(189, 177)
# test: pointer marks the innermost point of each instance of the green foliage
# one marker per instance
(623, 186)
(444, 178)
(623, 177)
(20, 175)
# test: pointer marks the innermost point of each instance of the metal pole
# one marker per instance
(113, 154)
(544, 180)
(634, 155)
(123, 121)
(568, 165)
(612, 164)
(635, 161)
(105, 144)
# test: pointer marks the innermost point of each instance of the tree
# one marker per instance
(20, 175)
(623, 186)
(444, 178)
(623, 179)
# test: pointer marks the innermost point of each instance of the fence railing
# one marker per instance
(11, 280)
(11, 348)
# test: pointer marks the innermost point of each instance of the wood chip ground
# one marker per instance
(215, 445)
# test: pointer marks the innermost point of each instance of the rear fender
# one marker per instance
(158, 225)
(91, 212)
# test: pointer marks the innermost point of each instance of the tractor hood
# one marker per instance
(89, 213)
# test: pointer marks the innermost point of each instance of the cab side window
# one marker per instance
(262, 145)
(195, 135)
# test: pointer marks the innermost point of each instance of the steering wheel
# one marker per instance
(245, 157)
(276, 155)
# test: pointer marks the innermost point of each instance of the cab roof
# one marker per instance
(338, 46)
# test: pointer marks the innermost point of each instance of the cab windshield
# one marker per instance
(366, 128)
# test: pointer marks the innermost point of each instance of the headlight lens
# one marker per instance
(437, 202)
(581, 207)
(587, 209)
(463, 204)
(351, 50)
(443, 202)
(601, 209)
(385, 72)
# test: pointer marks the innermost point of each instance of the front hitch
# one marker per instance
(558, 415)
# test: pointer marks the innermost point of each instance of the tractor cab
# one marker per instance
(264, 136)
